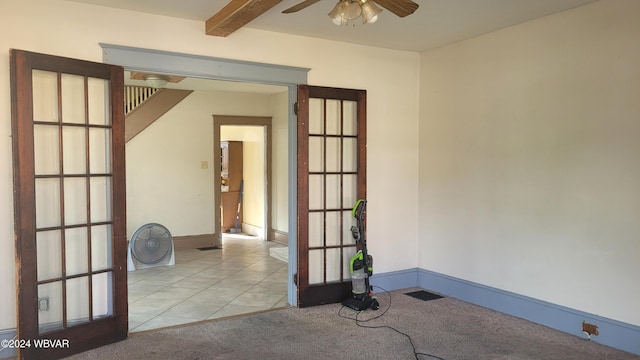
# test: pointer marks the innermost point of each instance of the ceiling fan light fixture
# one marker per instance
(339, 20)
(353, 10)
(346, 10)
(336, 13)
(369, 12)
(156, 81)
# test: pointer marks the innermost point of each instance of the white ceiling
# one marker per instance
(434, 24)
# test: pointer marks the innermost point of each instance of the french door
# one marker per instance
(331, 178)
(69, 204)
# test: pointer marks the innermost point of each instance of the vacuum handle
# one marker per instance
(358, 210)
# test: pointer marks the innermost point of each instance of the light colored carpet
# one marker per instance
(447, 328)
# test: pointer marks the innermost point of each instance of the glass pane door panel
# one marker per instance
(349, 155)
(49, 254)
(333, 154)
(76, 246)
(316, 116)
(75, 150)
(334, 262)
(347, 221)
(101, 247)
(349, 118)
(99, 160)
(77, 301)
(316, 266)
(332, 221)
(47, 203)
(75, 201)
(316, 192)
(100, 190)
(51, 319)
(316, 154)
(333, 191)
(316, 229)
(347, 254)
(333, 117)
(46, 147)
(102, 300)
(73, 99)
(45, 96)
(98, 90)
(349, 190)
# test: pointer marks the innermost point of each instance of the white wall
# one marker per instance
(74, 30)
(529, 159)
(165, 181)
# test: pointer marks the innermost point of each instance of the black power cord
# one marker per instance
(360, 323)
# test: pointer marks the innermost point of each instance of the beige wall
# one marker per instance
(165, 181)
(75, 30)
(529, 159)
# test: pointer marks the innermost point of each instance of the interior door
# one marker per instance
(69, 203)
(331, 178)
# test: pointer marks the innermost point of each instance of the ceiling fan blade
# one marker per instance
(300, 6)
(401, 8)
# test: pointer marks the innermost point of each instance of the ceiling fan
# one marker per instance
(238, 13)
(346, 10)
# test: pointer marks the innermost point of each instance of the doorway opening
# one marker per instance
(238, 72)
(244, 187)
(214, 275)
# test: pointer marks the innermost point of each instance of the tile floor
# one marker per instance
(239, 278)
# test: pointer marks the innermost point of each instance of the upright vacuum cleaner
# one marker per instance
(361, 265)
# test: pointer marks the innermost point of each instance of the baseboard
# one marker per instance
(395, 280)
(251, 229)
(194, 241)
(8, 334)
(612, 333)
(278, 236)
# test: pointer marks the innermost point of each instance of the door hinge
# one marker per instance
(295, 108)
(295, 279)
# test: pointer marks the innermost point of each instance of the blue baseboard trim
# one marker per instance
(8, 335)
(613, 333)
(395, 280)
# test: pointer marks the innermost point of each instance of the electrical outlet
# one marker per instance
(590, 329)
(43, 303)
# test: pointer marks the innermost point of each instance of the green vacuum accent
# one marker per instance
(356, 206)
(357, 261)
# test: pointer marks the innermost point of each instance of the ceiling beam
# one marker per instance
(236, 14)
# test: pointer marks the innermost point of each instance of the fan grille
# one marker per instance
(151, 244)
